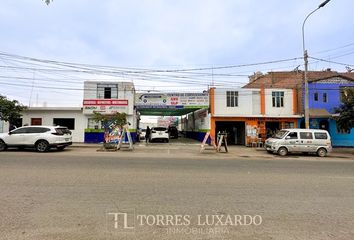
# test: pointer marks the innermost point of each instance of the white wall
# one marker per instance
(126, 91)
(248, 102)
(287, 110)
(48, 115)
(201, 121)
(2, 126)
(6, 127)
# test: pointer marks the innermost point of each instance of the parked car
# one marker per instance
(300, 141)
(159, 133)
(42, 138)
(173, 131)
(142, 134)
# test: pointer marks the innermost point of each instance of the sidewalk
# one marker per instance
(348, 150)
(193, 149)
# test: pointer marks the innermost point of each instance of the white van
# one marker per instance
(300, 140)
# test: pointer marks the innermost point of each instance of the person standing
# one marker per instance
(147, 134)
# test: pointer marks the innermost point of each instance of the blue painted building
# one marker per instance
(324, 97)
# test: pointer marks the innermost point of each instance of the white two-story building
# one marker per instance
(246, 114)
(107, 98)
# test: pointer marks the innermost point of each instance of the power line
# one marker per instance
(334, 49)
(87, 66)
(328, 61)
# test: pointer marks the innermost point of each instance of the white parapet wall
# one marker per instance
(248, 102)
(48, 114)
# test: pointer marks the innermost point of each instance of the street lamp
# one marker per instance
(307, 110)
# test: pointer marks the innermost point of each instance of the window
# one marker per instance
(231, 99)
(280, 134)
(320, 135)
(289, 125)
(324, 97)
(159, 129)
(36, 121)
(62, 131)
(36, 130)
(15, 123)
(93, 124)
(306, 135)
(65, 122)
(19, 131)
(315, 96)
(107, 91)
(292, 135)
(278, 99)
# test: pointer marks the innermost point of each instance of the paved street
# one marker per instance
(69, 194)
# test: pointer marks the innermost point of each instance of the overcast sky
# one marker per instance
(171, 35)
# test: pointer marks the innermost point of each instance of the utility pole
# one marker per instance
(307, 109)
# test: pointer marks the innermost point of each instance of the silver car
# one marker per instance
(300, 140)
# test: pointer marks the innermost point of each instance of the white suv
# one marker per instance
(159, 133)
(40, 137)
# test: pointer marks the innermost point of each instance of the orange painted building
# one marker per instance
(248, 115)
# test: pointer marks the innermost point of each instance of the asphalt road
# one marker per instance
(74, 195)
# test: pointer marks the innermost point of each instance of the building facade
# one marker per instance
(248, 115)
(324, 95)
(107, 98)
(103, 97)
(196, 124)
(51, 116)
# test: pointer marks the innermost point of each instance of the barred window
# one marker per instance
(107, 91)
(278, 99)
(231, 99)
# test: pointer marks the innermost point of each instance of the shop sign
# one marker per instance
(172, 100)
(105, 106)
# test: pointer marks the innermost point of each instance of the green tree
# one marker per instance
(10, 109)
(345, 120)
(117, 119)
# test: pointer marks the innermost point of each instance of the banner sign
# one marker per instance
(106, 102)
(105, 106)
(172, 100)
(167, 121)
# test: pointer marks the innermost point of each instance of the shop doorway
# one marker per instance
(272, 128)
(235, 131)
(324, 125)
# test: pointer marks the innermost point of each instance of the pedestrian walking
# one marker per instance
(147, 134)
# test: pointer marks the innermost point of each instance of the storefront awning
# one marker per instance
(319, 112)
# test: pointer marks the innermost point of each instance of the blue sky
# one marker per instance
(170, 35)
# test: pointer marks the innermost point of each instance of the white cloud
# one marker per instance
(164, 33)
